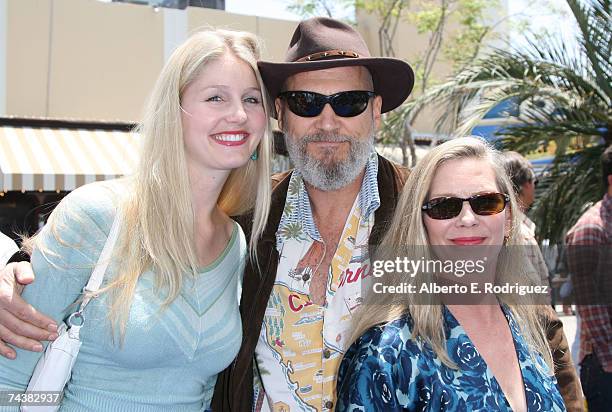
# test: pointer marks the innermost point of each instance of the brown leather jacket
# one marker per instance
(234, 389)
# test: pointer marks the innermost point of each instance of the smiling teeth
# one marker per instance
(230, 137)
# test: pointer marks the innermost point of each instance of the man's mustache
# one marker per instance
(319, 137)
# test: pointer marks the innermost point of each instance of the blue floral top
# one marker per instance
(387, 370)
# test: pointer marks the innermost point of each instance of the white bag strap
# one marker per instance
(95, 280)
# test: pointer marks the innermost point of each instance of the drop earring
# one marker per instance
(254, 155)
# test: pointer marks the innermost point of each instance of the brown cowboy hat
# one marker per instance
(323, 43)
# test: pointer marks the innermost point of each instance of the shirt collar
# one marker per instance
(297, 210)
(369, 198)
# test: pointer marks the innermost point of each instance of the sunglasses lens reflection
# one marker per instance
(350, 104)
(450, 207)
(488, 204)
(303, 104)
(446, 208)
(344, 104)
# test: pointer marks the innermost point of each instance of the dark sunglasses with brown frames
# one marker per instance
(483, 204)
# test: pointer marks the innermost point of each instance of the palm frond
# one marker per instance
(594, 21)
(565, 190)
(565, 97)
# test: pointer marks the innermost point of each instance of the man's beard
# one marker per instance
(326, 173)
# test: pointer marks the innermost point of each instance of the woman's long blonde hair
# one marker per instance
(407, 229)
(158, 215)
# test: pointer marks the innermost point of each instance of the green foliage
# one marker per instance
(427, 19)
(427, 16)
(393, 127)
(571, 185)
(464, 45)
(565, 97)
(459, 46)
(303, 8)
(382, 7)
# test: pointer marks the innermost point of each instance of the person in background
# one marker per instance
(166, 320)
(589, 257)
(524, 181)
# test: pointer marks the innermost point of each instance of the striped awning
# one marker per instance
(54, 159)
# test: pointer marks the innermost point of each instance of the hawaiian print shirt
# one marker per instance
(301, 343)
(388, 370)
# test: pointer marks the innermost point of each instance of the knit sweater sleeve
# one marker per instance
(65, 252)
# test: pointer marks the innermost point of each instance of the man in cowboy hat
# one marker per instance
(298, 297)
(329, 97)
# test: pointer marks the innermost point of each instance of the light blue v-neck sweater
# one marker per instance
(169, 359)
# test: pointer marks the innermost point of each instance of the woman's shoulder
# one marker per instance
(69, 244)
(92, 204)
(395, 334)
(97, 197)
(383, 361)
(82, 220)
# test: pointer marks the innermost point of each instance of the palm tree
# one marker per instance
(565, 96)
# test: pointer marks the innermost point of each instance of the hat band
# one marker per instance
(327, 54)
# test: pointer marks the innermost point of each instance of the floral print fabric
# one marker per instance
(301, 343)
(388, 370)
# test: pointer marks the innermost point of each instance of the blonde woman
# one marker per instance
(438, 354)
(167, 320)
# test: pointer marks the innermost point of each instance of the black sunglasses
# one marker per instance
(311, 104)
(449, 207)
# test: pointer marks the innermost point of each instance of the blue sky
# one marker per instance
(541, 19)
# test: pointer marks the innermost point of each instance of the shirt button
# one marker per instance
(326, 353)
(305, 277)
(329, 405)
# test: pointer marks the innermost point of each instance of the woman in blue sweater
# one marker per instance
(166, 320)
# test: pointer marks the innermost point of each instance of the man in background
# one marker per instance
(524, 181)
(590, 263)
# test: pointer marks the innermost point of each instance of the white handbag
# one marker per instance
(54, 368)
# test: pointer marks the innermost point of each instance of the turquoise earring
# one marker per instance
(254, 155)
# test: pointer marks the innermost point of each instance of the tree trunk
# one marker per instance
(407, 142)
(403, 143)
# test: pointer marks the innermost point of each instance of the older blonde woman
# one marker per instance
(167, 320)
(439, 352)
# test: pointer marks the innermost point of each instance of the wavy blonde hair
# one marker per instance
(159, 211)
(408, 229)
